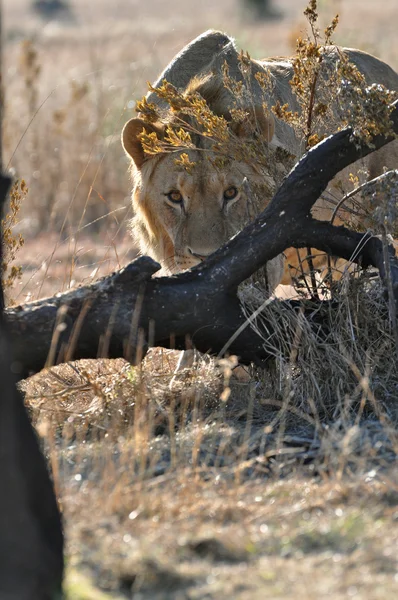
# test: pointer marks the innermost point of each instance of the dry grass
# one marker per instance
(214, 484)
(279, 484)
(187, 494)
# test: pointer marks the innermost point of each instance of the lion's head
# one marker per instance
(182, 215)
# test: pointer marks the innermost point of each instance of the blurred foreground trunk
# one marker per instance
(31, 540)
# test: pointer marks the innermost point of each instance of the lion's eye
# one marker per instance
(230, 193)
(174, 196)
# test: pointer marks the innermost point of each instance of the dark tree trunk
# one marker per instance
(31, 540)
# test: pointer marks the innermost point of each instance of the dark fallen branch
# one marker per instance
(123, 314)
(358, 247)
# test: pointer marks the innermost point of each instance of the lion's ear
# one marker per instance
(260, 120)
(130, 138)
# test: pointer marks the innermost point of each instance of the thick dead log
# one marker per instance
(123, 314)
(31, 541)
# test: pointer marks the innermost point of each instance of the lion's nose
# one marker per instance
(196, 255)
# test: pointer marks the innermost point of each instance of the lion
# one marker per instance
(181, 216)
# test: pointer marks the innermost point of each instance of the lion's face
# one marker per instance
(182, 216)
(189, 215)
